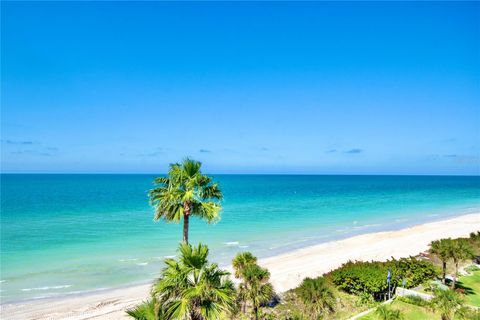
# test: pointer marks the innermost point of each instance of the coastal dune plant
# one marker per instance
(192, 288)
(317, 296)
(186, 192)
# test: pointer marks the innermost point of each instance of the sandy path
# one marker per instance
(287, 269)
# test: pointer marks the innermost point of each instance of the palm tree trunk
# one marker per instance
(255, 311)
(444, 267)
(455, 275)
(186, 218)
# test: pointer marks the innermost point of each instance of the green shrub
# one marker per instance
(371, 277)
(472, 268)
(415, 300)
(359, 277)
(317, 296)
(413, 271)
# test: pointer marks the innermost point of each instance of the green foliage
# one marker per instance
(358, 277)
(471, 314)
(317, 296)
(472, 268)
(147, 310)
(255, 287)
(415, 300)
(413, 271)
(474, 241)
(365, 299)
(193, 288)
(370, 277)
(385, 312)
(185, 192)
(448, 303)
(241, 261)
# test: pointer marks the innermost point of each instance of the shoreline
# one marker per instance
(287, 269)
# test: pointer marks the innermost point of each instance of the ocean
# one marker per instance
(68, 234)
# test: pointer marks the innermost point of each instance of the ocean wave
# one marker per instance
(126, 260)
(368, 225)
(48, 288)
(231, 243)
(142, 264)
(169, 257)
(56, 294)
(243, 247)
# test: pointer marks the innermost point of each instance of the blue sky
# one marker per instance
(349, 88)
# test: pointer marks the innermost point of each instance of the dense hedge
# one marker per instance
(370, 277)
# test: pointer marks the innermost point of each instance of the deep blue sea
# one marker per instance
(67, 234)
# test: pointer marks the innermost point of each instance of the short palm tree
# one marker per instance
(461, 250)
(194, 289)
(447, 302)
(186, 192)
(443, 250)
(256, 287)
(240, 262)
(317, 296)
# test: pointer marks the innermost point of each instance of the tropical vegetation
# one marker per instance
(317, 297)
(254, 288)
(192, 288)
(186, 192)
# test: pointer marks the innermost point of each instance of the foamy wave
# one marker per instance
(368, 226)
(48, 288)
(126, 260)
(169, 257)
(142, 264)
(243, 247)
(231, 243)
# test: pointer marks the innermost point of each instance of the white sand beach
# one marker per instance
(287, 270)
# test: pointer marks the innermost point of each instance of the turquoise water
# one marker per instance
(67, 234)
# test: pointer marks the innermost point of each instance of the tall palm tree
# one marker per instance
(461, 250)
(317, 296)
(186, 192)
(443, 250)
(194, 289)
(447, 302)
(255, 287)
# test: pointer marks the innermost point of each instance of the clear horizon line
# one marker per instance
(246, 174)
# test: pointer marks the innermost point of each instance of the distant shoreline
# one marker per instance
(287, 269)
